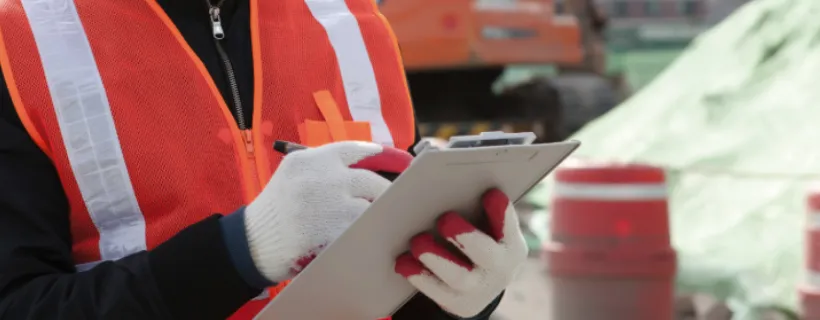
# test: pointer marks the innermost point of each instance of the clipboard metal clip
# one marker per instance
(484, 139)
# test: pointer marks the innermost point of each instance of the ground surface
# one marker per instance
(528, 297)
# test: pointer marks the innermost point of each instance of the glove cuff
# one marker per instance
(267, 244)
(233, 232)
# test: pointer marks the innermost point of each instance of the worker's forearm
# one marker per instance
(236, 241)
(188, 277)
(194, 269)
(421, 307)
(110, 291)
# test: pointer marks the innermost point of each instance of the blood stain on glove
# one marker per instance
(303, 262)
(389, 160)
(426, 243)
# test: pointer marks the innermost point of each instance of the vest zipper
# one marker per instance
(219, 34)
(247, 134)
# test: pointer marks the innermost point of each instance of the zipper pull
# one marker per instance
(248, 135)
(216, 23)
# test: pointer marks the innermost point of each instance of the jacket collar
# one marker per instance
(199, 7)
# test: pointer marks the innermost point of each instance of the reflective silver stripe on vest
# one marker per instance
(86, 266)
(359, 79)
(87, 126)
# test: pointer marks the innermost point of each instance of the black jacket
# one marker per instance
(190, 276)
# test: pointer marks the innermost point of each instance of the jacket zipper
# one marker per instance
(247, 135)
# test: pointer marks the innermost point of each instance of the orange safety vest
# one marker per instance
(141, 138)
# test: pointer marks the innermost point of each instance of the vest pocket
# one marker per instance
(314, 133)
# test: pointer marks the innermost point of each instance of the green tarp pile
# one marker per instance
(640, 67)
(736, 122)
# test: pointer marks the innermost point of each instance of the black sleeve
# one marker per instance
(187, 277)
(421, 307)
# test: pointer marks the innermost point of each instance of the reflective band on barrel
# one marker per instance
(359, 79)
(813, 279)
(87, 126)
(611, 191)
(814, 220)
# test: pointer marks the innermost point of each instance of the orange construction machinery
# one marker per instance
(455, 50)
(436, 34)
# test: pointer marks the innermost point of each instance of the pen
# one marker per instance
(285, 147)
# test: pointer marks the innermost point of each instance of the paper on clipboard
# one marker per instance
(353, 278)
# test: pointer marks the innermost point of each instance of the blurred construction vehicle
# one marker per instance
(454, 52)
(587, 90)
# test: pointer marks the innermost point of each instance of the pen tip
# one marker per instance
(280, 146)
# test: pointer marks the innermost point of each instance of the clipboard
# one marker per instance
(353, 278)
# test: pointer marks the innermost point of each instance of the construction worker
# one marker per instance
(128, 128)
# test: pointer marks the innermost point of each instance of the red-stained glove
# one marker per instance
(465, 288)
(313, 197)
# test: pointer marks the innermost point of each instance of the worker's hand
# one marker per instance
(312, 198)
(465, 287)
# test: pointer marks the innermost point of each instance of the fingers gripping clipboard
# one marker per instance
(353, 278)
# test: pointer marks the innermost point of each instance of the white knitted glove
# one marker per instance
(460, 287)
(312, 198)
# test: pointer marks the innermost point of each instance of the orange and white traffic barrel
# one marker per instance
(810, 290)
(609, 256)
